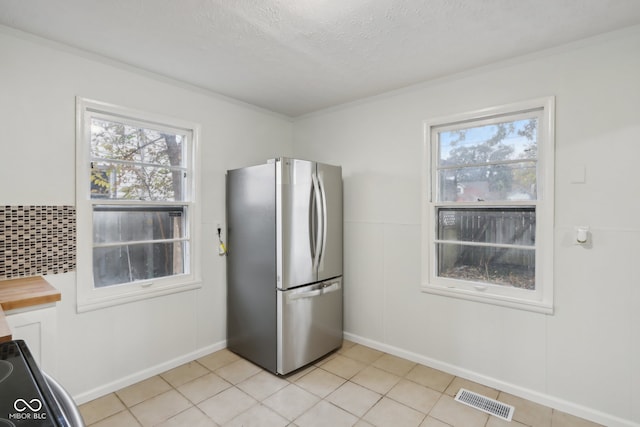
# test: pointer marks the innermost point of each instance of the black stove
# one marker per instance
(25, 396)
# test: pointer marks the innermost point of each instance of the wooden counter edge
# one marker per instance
(26, 292)
(30, 301)
(22, 293)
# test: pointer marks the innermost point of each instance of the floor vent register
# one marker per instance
(484, 404)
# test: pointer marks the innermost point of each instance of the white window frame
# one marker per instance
(88, 296)
(538, 300)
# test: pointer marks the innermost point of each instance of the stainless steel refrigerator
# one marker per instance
(284, 262)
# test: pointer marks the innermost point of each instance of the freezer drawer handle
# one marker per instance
(328, 288)
(331, 287)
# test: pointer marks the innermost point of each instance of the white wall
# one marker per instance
(585, 358)
(106, 349)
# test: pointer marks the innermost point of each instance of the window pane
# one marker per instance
(128, 263)
(126, 224)
(510, 140)
(515, 181)
(135, 182)
(117, 141)
(136, 163)
(513, 226)
(496, 266)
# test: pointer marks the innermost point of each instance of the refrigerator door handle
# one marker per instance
(318, 215)
(323, 222)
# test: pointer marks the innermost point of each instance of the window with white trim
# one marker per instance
(136, 201)
(488, 205)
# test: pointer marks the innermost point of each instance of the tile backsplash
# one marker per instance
(37, 240)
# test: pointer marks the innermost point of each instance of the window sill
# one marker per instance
(136, 293)
(500, 300)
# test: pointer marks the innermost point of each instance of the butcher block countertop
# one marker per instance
(22, 293)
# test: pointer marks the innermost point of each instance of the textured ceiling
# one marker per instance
(298, 56)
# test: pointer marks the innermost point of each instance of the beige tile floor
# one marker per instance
(355, 386)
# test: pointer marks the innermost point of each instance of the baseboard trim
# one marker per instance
(532, 395)
(147, 373)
